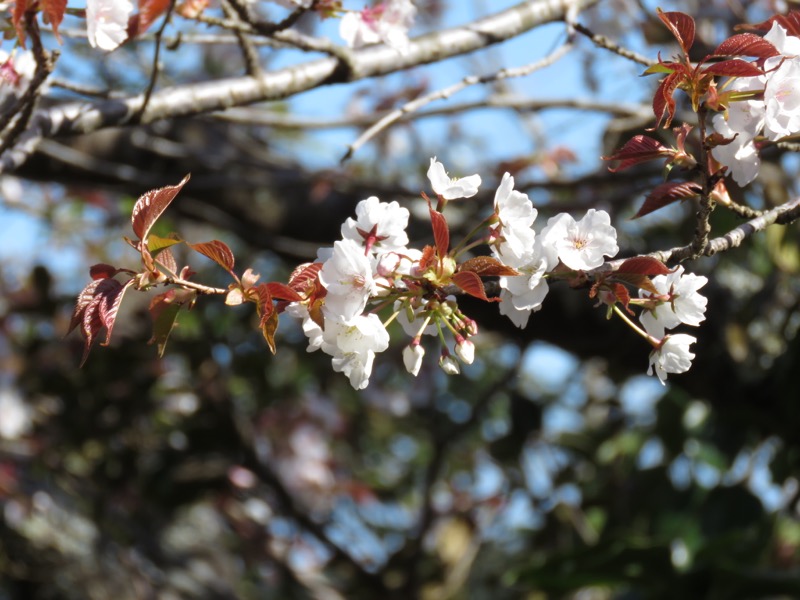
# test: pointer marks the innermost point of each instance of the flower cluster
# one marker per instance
(774, 117)
(372, 269)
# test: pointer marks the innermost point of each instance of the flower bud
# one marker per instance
(412, 357)
(449, 364)
(465, 350)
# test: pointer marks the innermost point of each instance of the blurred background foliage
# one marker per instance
(552, 468)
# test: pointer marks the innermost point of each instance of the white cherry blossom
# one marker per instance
(386, 22)
(449, 364)
(782, 99)
(352, 344)
(672, 356)
(516, 214)
(684, 304)
(347, 275)
(16, 72)
(379, 225)
(745, 120)
(448, 188)
(107, 22)
(312, 331)
(523, 294)
(581, 245)
(465, 350)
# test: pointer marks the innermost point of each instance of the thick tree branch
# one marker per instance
(85, 117)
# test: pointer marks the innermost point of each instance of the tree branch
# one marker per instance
(373, 61)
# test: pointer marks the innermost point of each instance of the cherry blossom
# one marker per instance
(682, 303)
(386, 22)
(448, 188)
(412, 357)
(671, 356)
(523, 294)
(310, 328)
(107, 22)
(347, 275)
(379, 226)
(581, 245)
(516, 214)
(16, 72)
(352, 344)
(465, 350)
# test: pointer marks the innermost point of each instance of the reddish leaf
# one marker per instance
(682, 27)
(102, 271)
(150, 206)
(191, 9)
(472, 285)
(110, 308)
(790, 22)
(149, 11)
(280, 291)
(427, 259)
(305, 277)
(622, 295)
(441, 232)
(746, 44)
(167, 260)
(663, 102)
(82, 302)
(666, 194)
(217, 251)
(644, 265)
(637, 280)
(734, 68)
(54, 9)
(18, 18)
(268, 328)
(96, 308)
(487, 266)
(639, 149)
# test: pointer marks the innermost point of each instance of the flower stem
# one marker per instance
(650, 339)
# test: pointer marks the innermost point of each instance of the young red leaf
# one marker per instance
(638, 281)
(82, 302)
(167, 260)
(487, 266)
(746, 44)
(622, 295)
(18, 18)
(734, 68)
(217, 251)
(149, 11)
(666, 194)
(682, 27)
(269, 326)
(427, 259)
(663, 102)
(96, 308)
(151, 205)
(644, 265)
(54, 9)
(280, 291)
(305, 277)
(790, 22)
(639, 149)
(441, 232)
(102, 271)
(110, 308)
(472, 285)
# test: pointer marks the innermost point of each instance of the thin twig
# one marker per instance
(156, 67)
(603, 42)
(20, 113)
(417, 103)
(249, 53)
